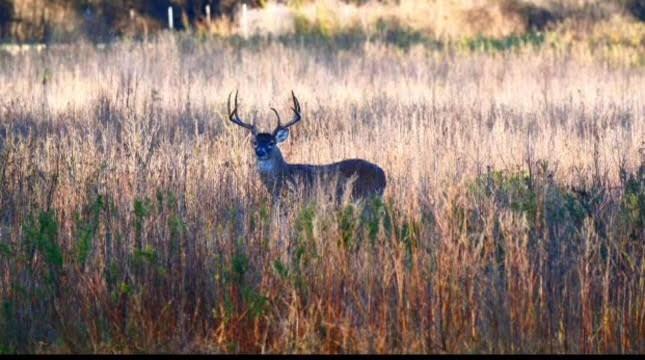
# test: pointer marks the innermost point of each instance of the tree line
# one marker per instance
(55, 20)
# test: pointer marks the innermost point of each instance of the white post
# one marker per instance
(131, 14)
(245, 30)
(208, 13)
(170, 19)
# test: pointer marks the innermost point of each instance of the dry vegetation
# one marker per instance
(132, 219)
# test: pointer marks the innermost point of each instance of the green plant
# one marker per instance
(41, 235)
(87, 227)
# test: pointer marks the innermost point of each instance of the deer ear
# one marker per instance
(281, 135)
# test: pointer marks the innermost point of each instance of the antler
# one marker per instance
(276, 115)
(234, 117)
(297, 116)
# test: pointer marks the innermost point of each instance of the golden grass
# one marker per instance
(132, 219)
(593, 29)
(440, 19)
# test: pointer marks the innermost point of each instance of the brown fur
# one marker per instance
(369, 179)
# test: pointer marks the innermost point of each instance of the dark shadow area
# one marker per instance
(636, 8)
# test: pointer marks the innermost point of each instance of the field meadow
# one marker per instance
(133, 220)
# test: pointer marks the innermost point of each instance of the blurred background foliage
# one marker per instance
(103, 20)
(60, 20)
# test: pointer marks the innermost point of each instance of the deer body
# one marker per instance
(277, 175)
(369, 179)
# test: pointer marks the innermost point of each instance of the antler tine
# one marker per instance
(297, 116)
(295, 102)
(278, 116)
(234, 117)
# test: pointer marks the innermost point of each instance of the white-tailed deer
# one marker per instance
(276, 174)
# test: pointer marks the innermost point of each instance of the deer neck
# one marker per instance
(272, 166)
(272, 171)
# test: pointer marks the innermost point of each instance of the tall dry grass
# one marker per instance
(132, 218)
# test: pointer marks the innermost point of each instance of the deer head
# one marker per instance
(265, 144)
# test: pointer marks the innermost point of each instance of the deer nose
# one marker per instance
(260, 152)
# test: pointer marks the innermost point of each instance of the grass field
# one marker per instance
(132, 218)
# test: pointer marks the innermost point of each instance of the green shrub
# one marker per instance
(41, 235)
(633, 201)
(86, 227)
(546, 204)
(488, 44)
